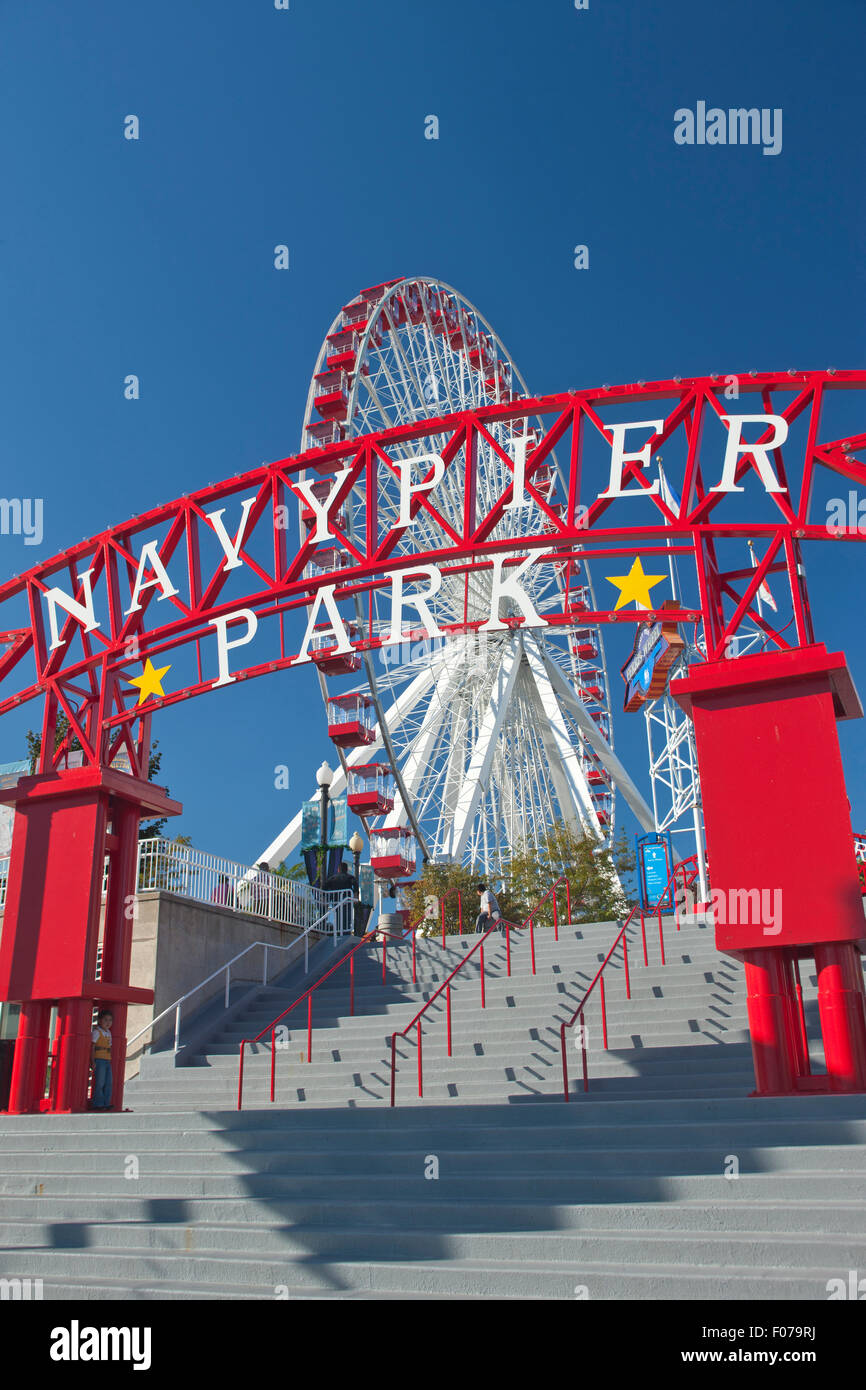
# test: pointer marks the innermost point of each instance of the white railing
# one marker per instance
(340, 909)
(208, 878)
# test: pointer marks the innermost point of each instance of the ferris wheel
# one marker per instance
(468, 746)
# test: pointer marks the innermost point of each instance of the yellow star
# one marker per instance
(150, 681)
(635, 585)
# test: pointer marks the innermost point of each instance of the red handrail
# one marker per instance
(308, 993)
(446, 984)
(689, 877)
(442, 901)
(349, 957)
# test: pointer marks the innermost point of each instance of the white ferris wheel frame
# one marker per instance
(526, 689)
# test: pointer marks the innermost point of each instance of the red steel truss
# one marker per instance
(86, 674)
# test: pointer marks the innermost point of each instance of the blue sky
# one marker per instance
(306, 127)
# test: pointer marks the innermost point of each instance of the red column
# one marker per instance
(117, 931)
(769, 1023)
(50, 933)
(73, 1054)
(31, 1057)
(798, 1045)
(842, 1009)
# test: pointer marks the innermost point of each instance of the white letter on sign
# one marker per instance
(407, 490)
(618, 457)
(321, 510)
(508, 587)
(760, 452)
(224, 646)
(419, 601)
(519, 498)
(82, 612)
(325, 596)
(231, 547)
(149, 558)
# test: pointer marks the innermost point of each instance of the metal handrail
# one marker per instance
(308, 995)
(598, 978)
(441, 909)
(268, 946)
(350, 957)
(446, 984)
(412, 929)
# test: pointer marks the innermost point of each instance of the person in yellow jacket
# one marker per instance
(100, 1098)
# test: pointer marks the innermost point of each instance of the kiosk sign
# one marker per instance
(657, 647)
(655, 866)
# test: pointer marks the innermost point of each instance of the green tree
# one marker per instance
(34, 741)
(171, 871)
(147, 829)
(296, 872)
(595, 880)
(594, 876)
(34, 748)
(443, 881)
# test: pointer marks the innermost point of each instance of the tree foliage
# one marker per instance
(594, 876)
(442, 881)
(34, 741)
(296, 872)
(156, 827)
(34, 748)
(595, 880)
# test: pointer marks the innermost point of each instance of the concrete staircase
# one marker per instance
(664, 1181)
(508, 1051)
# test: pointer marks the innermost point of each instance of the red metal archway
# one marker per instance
(213, 574)
(226, 547)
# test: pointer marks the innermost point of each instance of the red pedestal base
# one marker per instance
(68, 824)
(781, 856)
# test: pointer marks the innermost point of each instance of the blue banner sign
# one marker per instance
(365, 885)
(311, 825)
(339, 836)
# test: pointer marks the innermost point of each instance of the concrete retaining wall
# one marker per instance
(177, 943)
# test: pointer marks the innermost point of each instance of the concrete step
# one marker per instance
(626, 1192)
(450, 1277)
(377, 1213)
(552, 987)
(544, 1005)
(676, 1061)
(581, 1189)
(632, 1111)
(556, 1128)
(766, 1250)
(209, 1082)
(629, 1059)
(505, 1046)
(696, 1159)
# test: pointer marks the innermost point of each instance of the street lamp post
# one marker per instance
(356, 845)
(324, 777)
